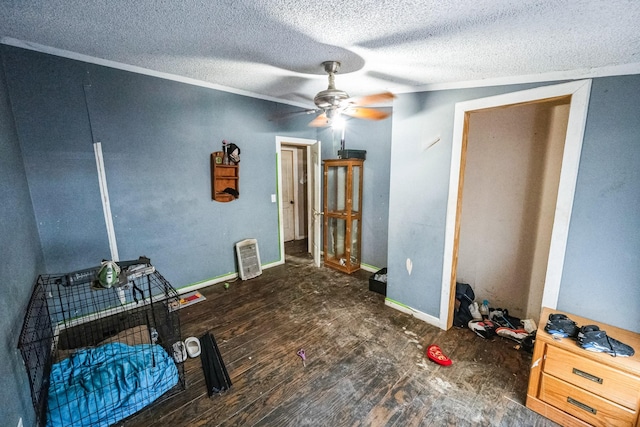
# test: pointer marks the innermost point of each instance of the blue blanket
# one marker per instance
(100, 386)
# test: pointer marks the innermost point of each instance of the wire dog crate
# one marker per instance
(96, 356)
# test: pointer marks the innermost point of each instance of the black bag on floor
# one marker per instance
(215, 373)
(464, 296)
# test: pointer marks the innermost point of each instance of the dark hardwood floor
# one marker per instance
(365, 361)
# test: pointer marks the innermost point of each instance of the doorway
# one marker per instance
(512, 169)
(578, 94)
(298, 196)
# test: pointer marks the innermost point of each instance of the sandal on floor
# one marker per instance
(434, 353)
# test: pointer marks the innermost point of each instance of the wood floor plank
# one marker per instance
(262, 356)
(263, 383)
(365, 361)
(328, 384)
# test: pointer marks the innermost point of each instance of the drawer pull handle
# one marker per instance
(582, 405)
(587, 375)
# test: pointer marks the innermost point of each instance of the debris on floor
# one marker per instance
(187, 300)
(487, 322)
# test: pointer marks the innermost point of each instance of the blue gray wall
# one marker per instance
(156, 136)
(22, 261)
(601, 279)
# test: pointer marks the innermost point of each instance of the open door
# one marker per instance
(288, 196)
(314, 188)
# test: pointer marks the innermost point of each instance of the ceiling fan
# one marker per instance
(335, 102)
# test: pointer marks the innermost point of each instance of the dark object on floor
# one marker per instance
(592, 338)
(377, 285)
(561, 326)
(464, 297)
(502, 318)
(529, 342)
(215, 373)
(483, 328)
(74, 335)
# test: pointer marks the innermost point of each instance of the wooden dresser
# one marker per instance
(576, 387)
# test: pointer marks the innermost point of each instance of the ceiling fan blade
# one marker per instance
(320, 121)
(289, 115)
(366, 113)
(372, 99)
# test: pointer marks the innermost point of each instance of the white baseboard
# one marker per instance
(226, 278)
(369, 268)
(432, 320)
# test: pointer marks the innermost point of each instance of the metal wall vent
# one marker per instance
(248, 259)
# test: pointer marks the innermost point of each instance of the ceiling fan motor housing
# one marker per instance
(330, 98)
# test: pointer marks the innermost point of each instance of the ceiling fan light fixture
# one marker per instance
(338, 122)
(335, 102)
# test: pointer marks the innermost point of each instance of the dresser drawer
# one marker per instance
(584, 405)
(590, 375)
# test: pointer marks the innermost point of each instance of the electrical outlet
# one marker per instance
(20, 422)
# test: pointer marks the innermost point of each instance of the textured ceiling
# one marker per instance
(274, 48)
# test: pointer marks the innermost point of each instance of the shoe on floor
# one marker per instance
(599, 341)
(179, 352)
(482, 328)
(193, 346)
(495, 314)
(513, 334)
(435, 353)
(560, 325)
(475, 311)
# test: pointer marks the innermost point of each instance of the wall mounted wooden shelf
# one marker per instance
(223, 177)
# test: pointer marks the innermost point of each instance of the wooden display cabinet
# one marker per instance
(343, 213)
(223, 177)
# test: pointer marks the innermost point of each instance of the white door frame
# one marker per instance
(312, 191)
(579, 92)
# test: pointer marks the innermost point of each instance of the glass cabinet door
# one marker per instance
(342, 218)
(336, 238)
(337, 186)
(355, 242)
(355, 189)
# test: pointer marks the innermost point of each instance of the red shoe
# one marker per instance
(434, 353)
